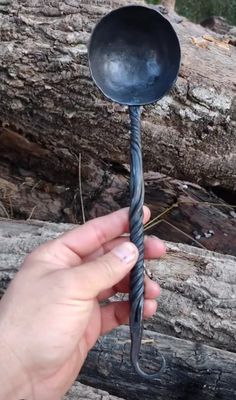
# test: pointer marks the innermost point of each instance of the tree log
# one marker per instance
(198, 300)
(83, 392)
(51, 112)
(192, 371)
(182, 212)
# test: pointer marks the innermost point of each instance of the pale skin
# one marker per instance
(51, 316)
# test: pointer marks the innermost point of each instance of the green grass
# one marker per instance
(198, 10)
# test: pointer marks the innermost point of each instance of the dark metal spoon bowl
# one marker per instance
(134, 55)
(134, 58)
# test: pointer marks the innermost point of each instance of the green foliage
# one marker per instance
(201, 9)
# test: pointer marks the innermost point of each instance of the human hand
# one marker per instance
(50, 316)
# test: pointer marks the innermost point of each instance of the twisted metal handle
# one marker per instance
(137, 237)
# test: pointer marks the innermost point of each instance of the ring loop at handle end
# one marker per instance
(136, 341)
(145, 375)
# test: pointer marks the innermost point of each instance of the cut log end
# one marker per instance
(168, 4)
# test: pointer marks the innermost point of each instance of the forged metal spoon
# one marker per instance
(134, 59)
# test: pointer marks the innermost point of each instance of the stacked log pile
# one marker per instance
(54, 123)
(64, 155)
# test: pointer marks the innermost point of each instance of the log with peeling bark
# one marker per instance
(187, 212)
(198, 300)
(83, 392)
(51, 113)
(193, 371)
(181, 212)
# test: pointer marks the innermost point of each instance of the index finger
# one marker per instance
(89, 237)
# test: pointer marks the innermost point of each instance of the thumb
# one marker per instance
(104, 272)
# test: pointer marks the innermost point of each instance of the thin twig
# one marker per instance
(193, 203)
(80, 190)
(150, 223)
(5, 210)
(11, 207)
(79, 161)
(177, 229)
(32, 211)
(155, 221)
(35, 185)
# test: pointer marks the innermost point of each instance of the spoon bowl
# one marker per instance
(134, 55)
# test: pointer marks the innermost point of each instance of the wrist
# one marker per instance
(14, 382)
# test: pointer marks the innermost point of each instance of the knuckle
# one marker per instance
(100, 234)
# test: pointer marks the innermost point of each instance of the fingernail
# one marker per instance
(125, 252)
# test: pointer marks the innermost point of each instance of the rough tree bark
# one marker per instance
(198, 300)
(55, 113)
(83, 392)
(188, 213)
(193, 371)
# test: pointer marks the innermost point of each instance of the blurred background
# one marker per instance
(199, 10)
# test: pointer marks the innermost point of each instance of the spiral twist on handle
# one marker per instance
(137, 237)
